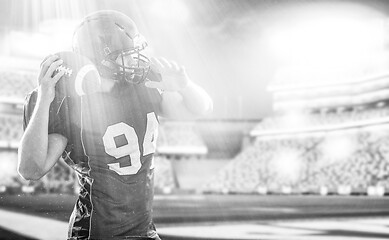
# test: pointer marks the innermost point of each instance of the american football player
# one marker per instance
(108, 137)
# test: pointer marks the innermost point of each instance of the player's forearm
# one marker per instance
(33, 148)
(196, 100)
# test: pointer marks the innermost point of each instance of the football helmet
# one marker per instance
(111, 40)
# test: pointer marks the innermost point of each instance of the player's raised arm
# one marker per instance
(39, 150)
(181, 97)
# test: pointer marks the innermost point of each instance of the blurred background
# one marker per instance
(301, 106)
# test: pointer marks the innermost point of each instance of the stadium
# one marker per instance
(297, 146)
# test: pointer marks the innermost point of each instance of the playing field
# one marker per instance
(216, 217)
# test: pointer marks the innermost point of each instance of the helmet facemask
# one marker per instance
(111, 40)
(127, 65)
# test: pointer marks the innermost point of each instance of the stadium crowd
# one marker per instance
(330, 119)
(304, 162)
(15, 84)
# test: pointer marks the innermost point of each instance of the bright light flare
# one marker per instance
(328, 40)
(53, 36)
(338, 147)
(295, 119)
(174, 10)
(287, 164)
(7, 166)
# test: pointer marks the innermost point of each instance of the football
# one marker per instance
(81, 76)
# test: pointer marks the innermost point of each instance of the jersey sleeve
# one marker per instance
(155, 97)
(55, 123)
(154, 94)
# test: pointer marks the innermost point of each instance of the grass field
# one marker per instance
(230, 216)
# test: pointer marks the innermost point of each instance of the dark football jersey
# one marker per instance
(111, 144)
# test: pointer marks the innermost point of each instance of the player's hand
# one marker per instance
(174, 77)
(46, 79)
